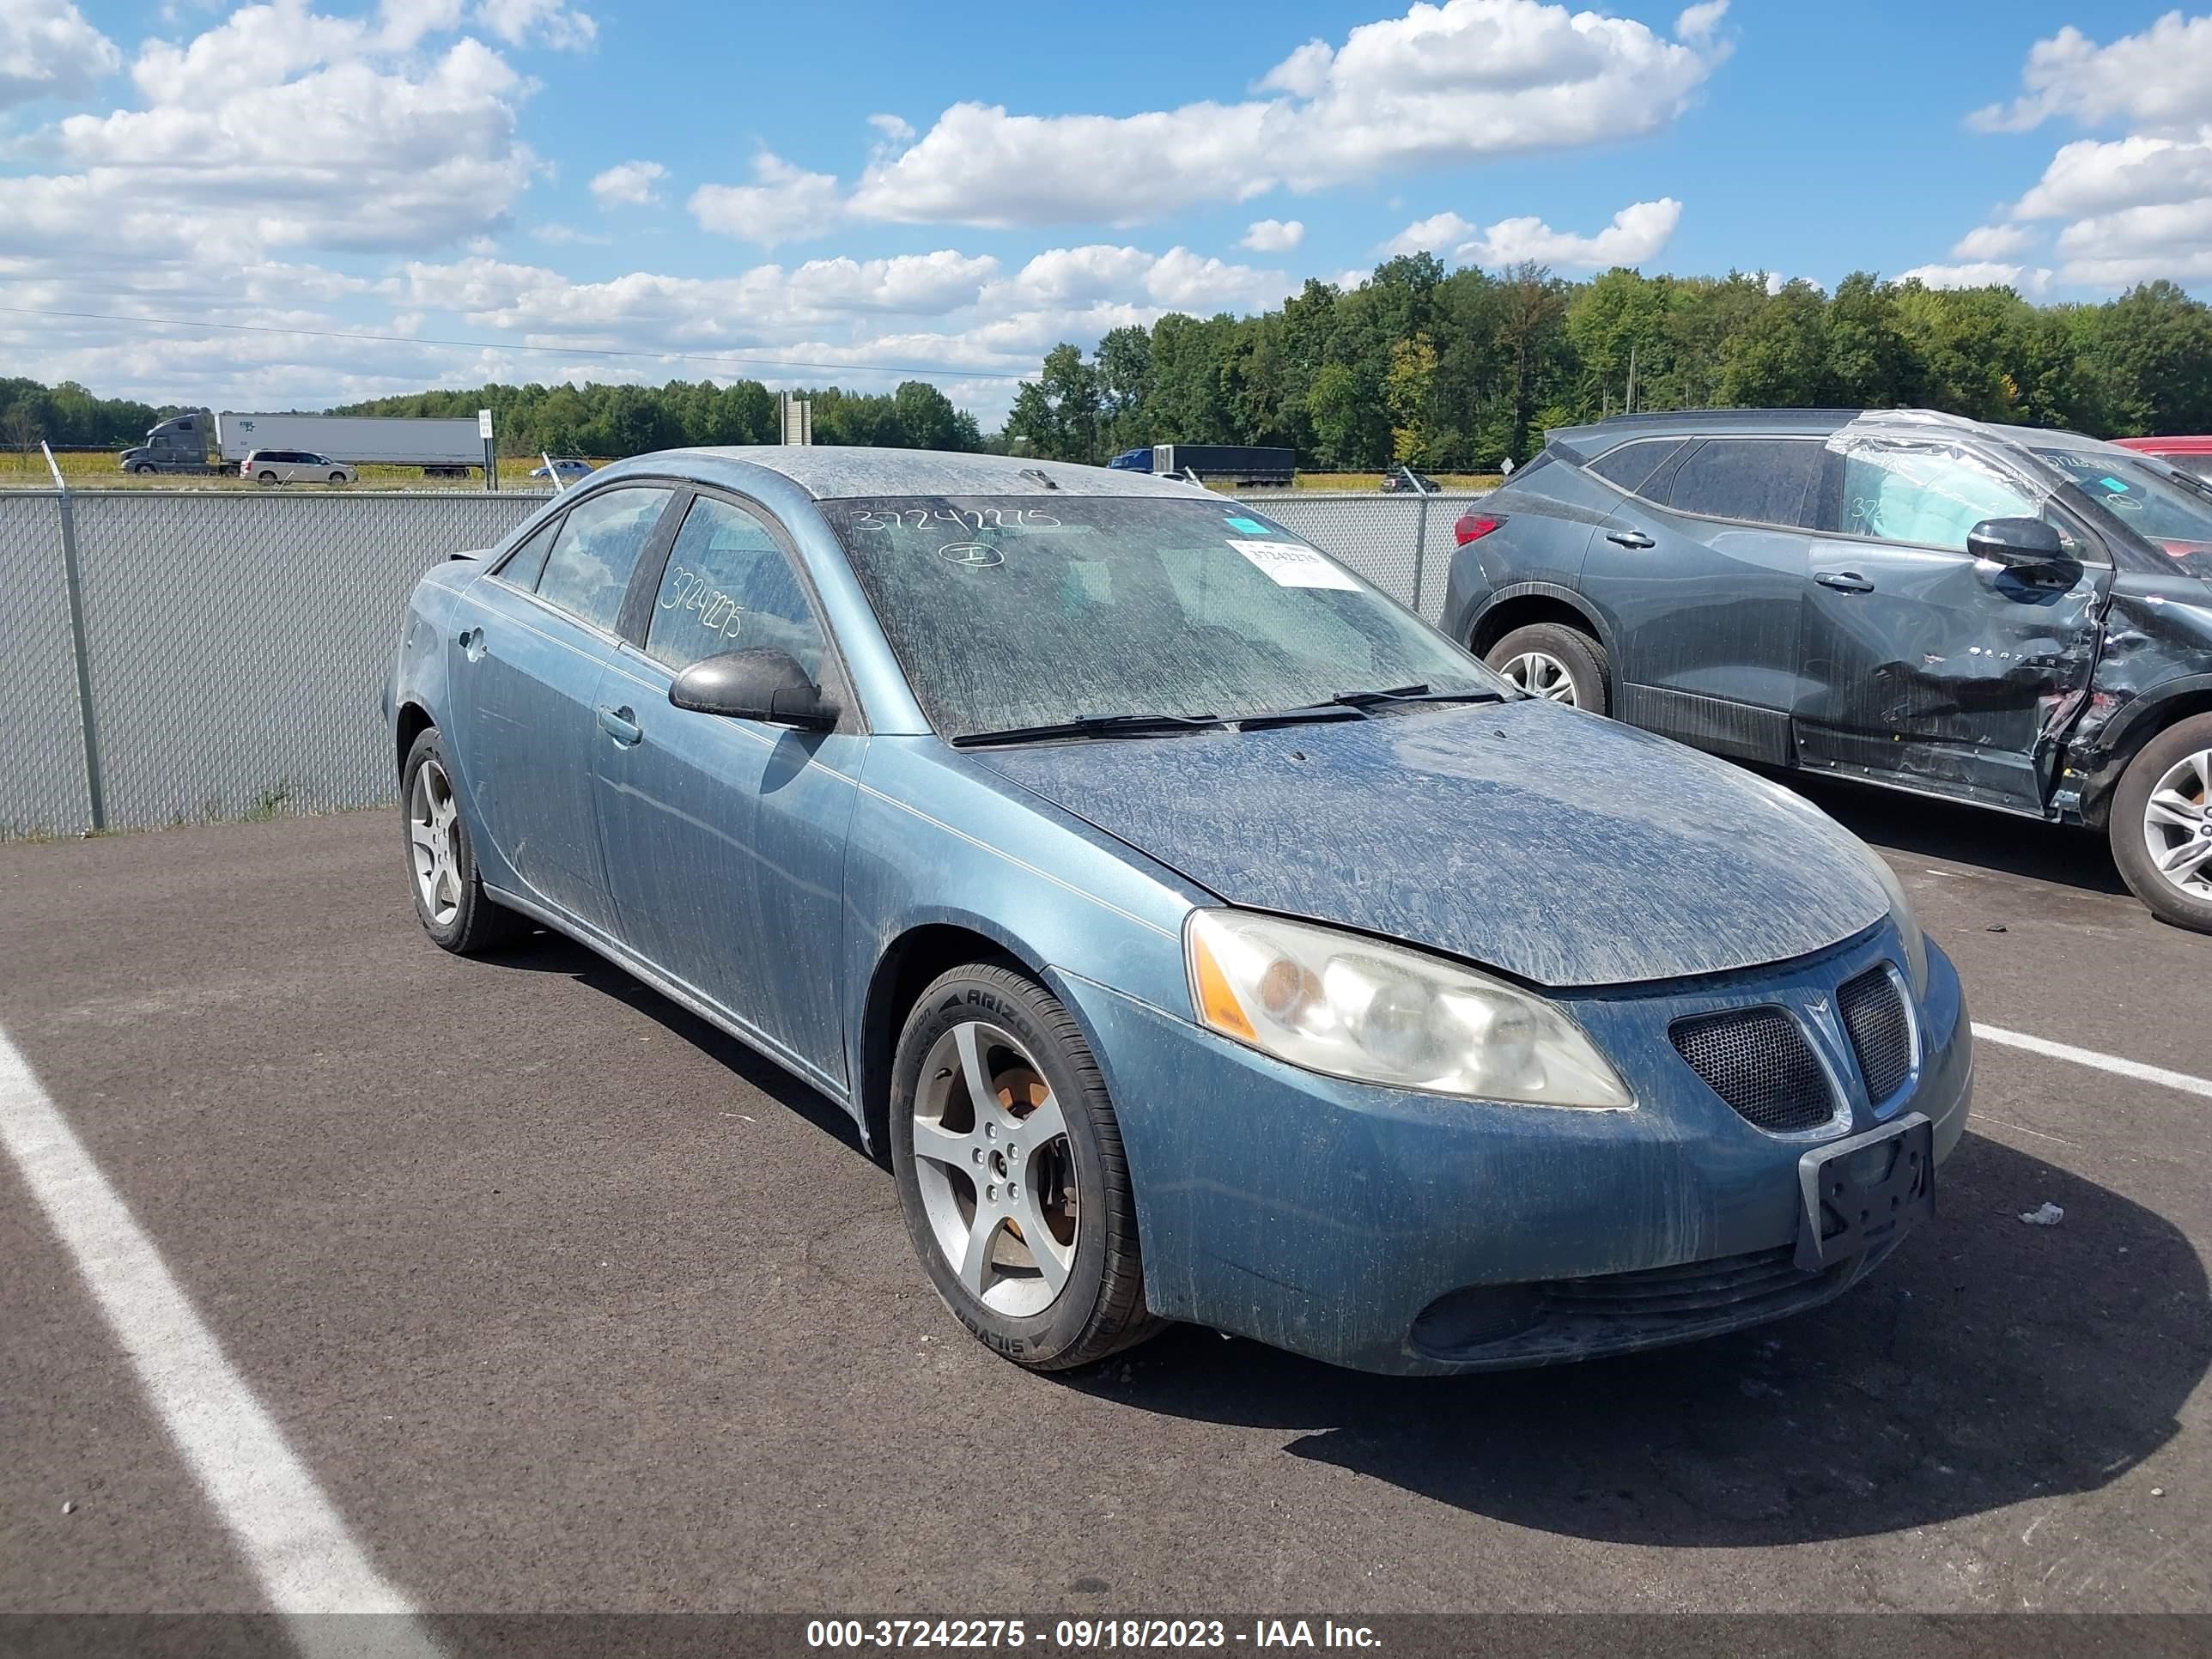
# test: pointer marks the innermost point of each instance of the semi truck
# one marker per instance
(1238, 464)
(200, 441)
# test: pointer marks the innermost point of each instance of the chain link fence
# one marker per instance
(234, 645)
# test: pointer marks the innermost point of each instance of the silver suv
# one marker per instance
(276, 466)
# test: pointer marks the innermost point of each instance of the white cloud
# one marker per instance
(1980, 274)
(1637, 233)
(568, 235)
(1699, 22)
(2162, 77)
(784, 203)
(897, 128)
(1445, 84)
(48, 50)
(1993, 242)
(2136, 207)
(538, 24)
(1440, 232)
(629, 184)
(1273, 235)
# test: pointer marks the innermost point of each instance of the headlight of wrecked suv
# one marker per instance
(1908, 925)
(1354, 1007)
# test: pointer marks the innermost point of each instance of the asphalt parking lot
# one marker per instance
(564, 1301)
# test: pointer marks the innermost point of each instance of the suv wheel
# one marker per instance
(1555, 662)
(2161, 824)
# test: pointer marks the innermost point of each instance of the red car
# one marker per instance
(2192, 454)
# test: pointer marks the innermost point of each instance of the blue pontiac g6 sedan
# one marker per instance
(1201, 935)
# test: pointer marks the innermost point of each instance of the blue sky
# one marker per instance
(870, 185)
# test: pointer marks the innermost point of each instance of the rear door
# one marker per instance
(1926, 667)
(526, 677)
(1700, 575)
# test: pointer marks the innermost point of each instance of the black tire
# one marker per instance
(478, 923)
(265, 479)
(2127, 832)
(142, 471)
(337, 477)
(1100, 1310)
(1583, 657)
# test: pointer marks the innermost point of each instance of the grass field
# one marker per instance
(96, 469)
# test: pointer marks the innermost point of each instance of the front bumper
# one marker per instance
(1400, 1233)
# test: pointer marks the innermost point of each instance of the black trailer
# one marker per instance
(1237, 465)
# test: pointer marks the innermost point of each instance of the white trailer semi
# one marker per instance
(197, 441)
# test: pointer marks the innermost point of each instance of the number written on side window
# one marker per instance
(589, 568)
(729, 587)
(1925, 494)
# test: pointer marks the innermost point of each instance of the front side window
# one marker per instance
(729, 587)
(588, 570)
(1930, 494)
(1756, 480)
(1031, 611)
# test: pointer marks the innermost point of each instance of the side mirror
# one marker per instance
(763, 683)
(2016, 541)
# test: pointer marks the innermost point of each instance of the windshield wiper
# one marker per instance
(1354, 704)
(1093, 726)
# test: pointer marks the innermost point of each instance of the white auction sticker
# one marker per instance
(1288, 565)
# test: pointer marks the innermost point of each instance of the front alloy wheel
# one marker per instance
(1012, 1173)
(434, 833)
(997, 1182)
(2161, 823)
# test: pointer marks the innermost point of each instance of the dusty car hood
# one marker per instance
(1565, 849)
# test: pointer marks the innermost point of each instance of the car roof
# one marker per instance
(833, 472)
(1600, 435)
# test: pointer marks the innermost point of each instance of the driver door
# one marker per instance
(725, 838)
(1926, 666)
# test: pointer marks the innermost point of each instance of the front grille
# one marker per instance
(1759, 1061)
(1881, 1032)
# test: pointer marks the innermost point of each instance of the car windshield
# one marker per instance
(1012, 613)
(2170, 510)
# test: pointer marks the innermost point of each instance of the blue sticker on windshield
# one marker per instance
(2114, 485)
(1250, 526)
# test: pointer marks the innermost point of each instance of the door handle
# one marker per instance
(621, 724)
(1628, 539)
(1845, 582)
(471, 641)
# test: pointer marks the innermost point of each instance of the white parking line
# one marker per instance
(2134, 1068)
(299, 1548)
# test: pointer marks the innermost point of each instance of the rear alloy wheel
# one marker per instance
(2161, 824)
(1554, 662)
(267, 478)
(1010, 1171)
(449, 897)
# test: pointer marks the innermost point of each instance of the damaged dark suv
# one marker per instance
(2013, 617)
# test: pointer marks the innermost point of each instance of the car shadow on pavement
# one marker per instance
(1990, 1362)
(543, 952)
(2068, 856)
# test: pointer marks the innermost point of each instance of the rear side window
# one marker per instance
(1757, 480)
(1631, 466)
(588, 570)
(527, 563)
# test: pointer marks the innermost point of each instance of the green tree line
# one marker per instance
(1459, 371)
(595, 419)
(70, 417)
(614, 420)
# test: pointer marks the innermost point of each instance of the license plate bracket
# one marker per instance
(1864, 1192)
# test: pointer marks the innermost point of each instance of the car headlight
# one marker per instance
(1908, 925)
(1355, 1008)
